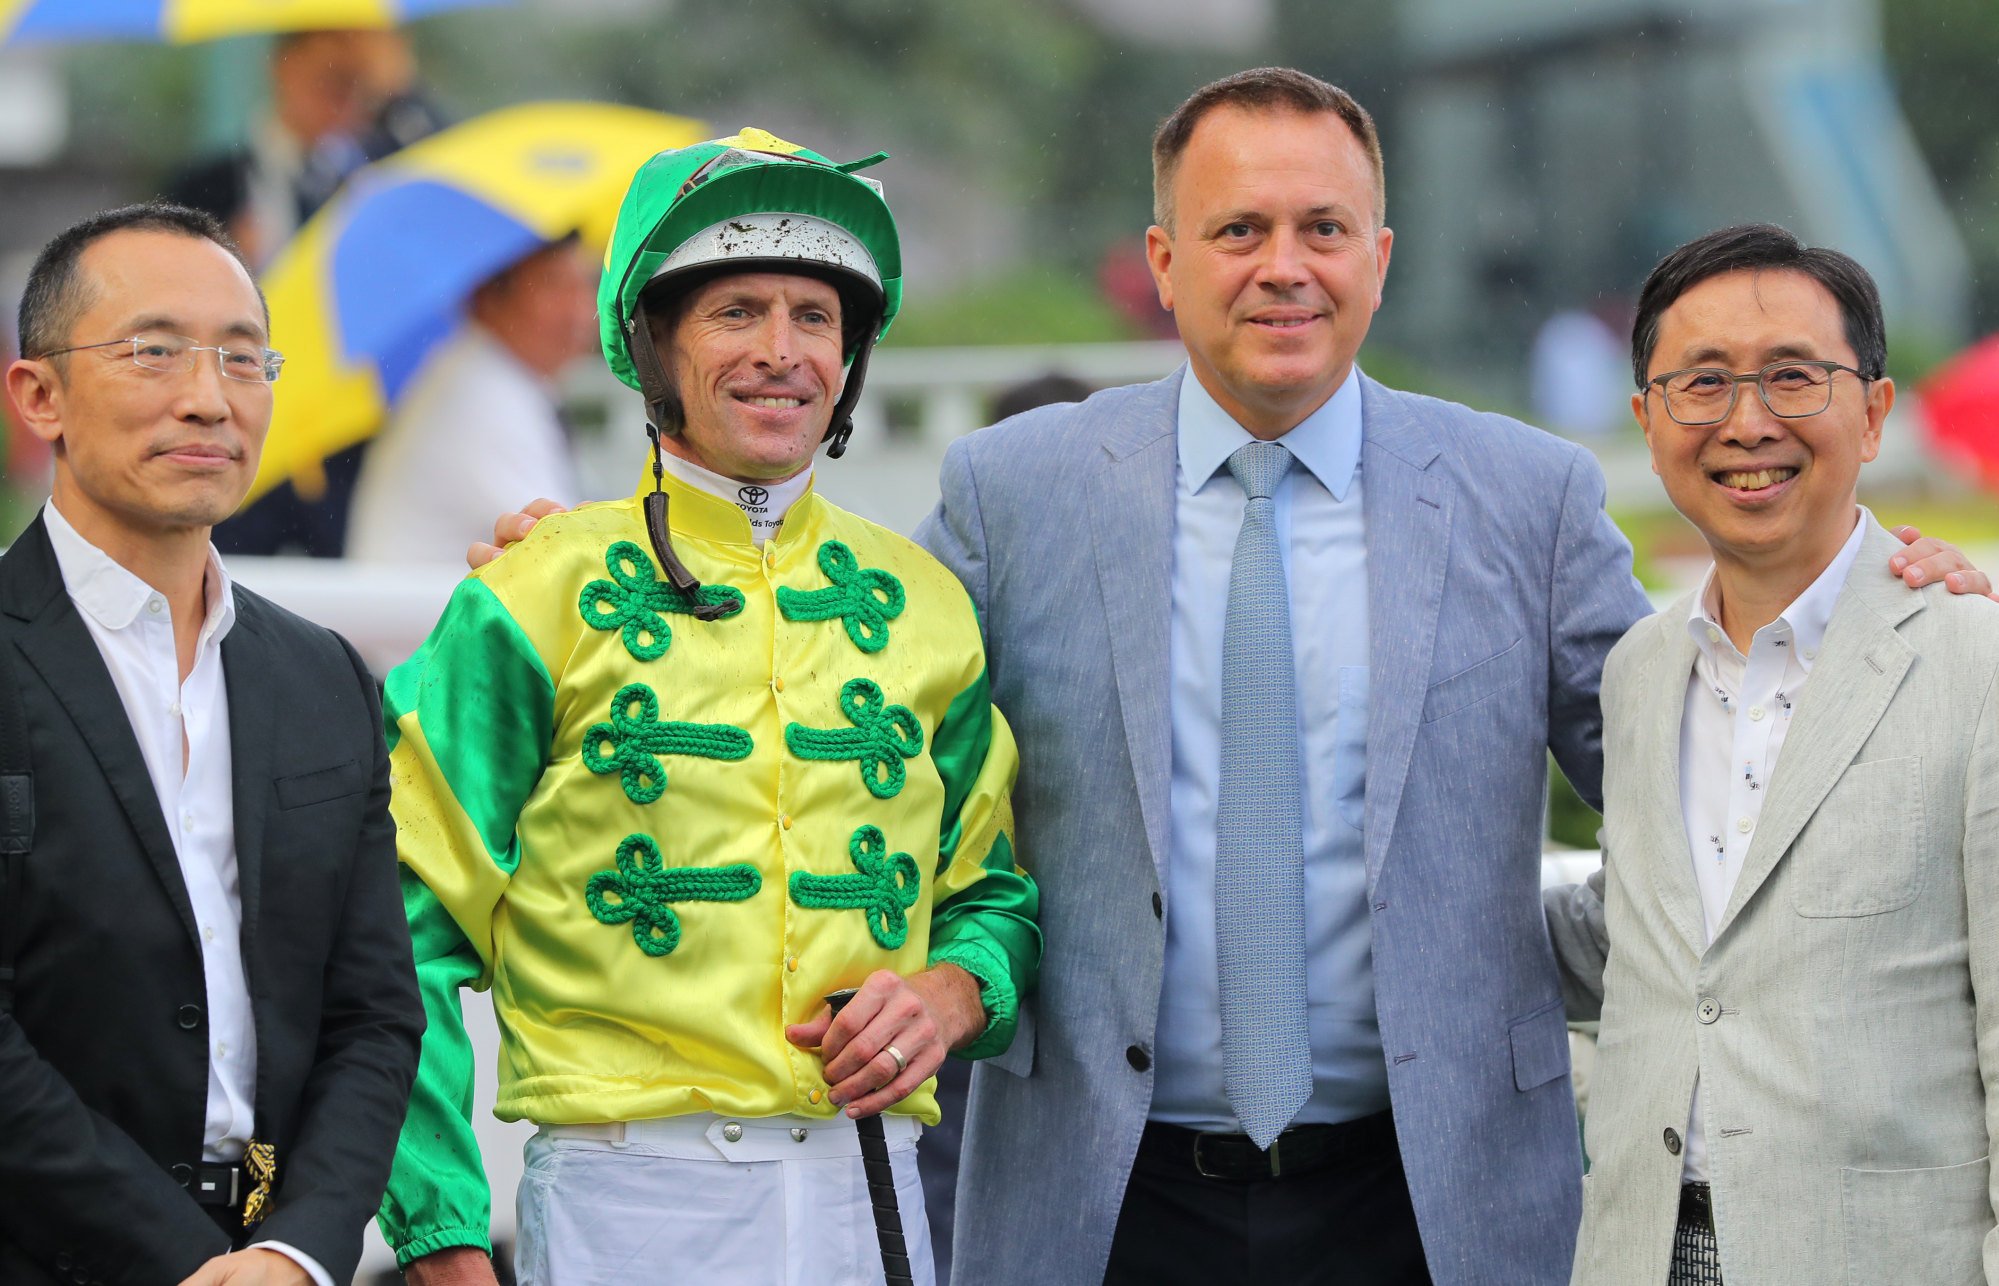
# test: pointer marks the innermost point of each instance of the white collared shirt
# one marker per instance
(132, 625)
(1737, 715)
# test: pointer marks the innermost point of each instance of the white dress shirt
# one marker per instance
(132, 625)
(1737, 715)
(1322, 540)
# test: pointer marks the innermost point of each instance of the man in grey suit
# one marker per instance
(1334, 1049)
(1800, 1046)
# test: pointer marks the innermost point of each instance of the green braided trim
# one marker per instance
(641, 892)
(636, 602)
(633, 741)
(885, 888)
(881, 738)
(864, 599)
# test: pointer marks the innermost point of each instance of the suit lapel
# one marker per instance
(1408, 516)
(1860, 665)
(1132, 514)
(1661, 697)
(247, 669)
(58, 645)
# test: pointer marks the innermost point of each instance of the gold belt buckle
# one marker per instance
(260, 1164)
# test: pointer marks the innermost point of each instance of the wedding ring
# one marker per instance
(901, 1063)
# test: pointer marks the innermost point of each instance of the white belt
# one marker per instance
(704, 1136)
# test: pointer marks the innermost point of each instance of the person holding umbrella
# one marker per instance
(684, 764)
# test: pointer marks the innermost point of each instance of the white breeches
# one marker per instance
(723, 1201)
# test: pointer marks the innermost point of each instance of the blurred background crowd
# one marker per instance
(426, 187)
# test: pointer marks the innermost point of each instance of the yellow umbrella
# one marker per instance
(187, 21)
(379, 276)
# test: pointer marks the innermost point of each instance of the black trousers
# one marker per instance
(1349, 1224)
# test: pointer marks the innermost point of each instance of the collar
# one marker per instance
(113, 597)
(695, 508)
(1327, 442)
(1803, 623)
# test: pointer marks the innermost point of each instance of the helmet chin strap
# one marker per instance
(842, 426)
(656, 390)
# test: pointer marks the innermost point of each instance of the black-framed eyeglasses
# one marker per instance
(176, 355)
(1793, 389)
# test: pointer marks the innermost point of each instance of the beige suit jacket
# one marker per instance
(1844, 1022)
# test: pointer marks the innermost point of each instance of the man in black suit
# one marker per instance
(213, 1016)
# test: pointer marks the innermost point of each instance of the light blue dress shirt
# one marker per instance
(1324, 545)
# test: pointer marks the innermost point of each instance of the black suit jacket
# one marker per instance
(103, 1061)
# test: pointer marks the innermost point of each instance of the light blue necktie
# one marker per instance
(1259, 830)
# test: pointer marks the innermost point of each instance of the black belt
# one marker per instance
(219, 1185)
(1301, 1149)
(1697, 1205)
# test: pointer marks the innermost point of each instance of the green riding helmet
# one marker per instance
(748, 203)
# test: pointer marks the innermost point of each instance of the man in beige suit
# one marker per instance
(1800, 1019)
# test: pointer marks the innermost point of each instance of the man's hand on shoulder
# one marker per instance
(252, 1267)
(1928, 559)
(510, 529)
(452, 1266)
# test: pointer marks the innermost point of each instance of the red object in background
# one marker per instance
(1127, 283)
(1961, 406)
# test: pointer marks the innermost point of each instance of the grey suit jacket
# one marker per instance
(1849, 1066)
(1495, 588)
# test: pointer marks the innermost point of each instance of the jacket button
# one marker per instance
(190, 1017)
(1710, 1009)
(1158, 907)
(65, 1262)
(1137, 1057)
(183, 1174)
(1672, 1140)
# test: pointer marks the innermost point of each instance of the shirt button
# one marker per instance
(1743, 824)
(174, 709)
(813, 1096)
(1672, 1140)
(207, 934)
(1811, 654)
(1755, 713)
(777, 683)
(1713, 634)
(1710, 1009)
(791, 964)
(784, 821)
(733, 1132)
(221, 1050)
(187, 819)
(155, 606)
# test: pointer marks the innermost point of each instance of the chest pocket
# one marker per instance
(1475, 683)
(306, 788)
(1860, 854)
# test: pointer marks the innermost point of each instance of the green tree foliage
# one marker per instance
(1944, 55)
